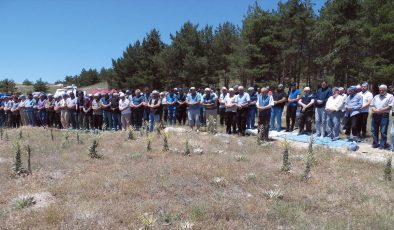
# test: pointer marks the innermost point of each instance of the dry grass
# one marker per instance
(115, 191)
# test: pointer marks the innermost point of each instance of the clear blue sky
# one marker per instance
(50, 39)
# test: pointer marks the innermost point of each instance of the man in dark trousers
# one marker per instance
(306, 102)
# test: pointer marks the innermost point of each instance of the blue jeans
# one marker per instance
(321, 121)
(380, 124)
(73, 118)
(276, 113)
(116, 121)
(42, 117)
(172, 115)
(30, 117)
(251, 117)
(107, 117)
(153, 118)
(333, 124)
(392, 136)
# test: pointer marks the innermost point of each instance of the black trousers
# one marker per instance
(56, 120)
(305, 119)
(352, 125)
(222, 114)
(97, 121)
(231, 122)
(291, 113)
(181, 115)
(242, 117)
(363, 124)
(137, 117)
(264, 124)
(15, 120)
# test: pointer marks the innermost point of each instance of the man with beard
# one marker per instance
(364, 111)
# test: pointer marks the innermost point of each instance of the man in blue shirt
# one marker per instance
(291, 111)
(137, 108)
(242, 100)
(321, 97)
(193, 100)
(29, 104)
(107, 114)
(264, 104)
(252, 109)
(171, 100)
(353, 104)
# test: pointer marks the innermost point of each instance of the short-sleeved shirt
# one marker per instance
(253, 97)
(278, 96)
(172, 98)
(367, 96)
(96, 107)
(222, 97)
(229, 99)
(306, 99)
(115, 105)
(138, 99)
(381, 101)
(30, 103)
(71, 103)
(194, 99)
(124, 103)
(209, 99)
(106, 101)
(242, 99)
(155, 101)
(265, 101)
(293, 95)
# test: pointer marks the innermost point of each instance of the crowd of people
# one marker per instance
(332, 110)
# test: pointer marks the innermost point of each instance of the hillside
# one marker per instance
(227, 182)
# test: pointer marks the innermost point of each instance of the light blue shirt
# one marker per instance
(194, 99)
(355, 102)
(242, 99)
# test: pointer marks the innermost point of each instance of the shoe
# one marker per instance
(287, 130)
(375, 146)
(380, 147)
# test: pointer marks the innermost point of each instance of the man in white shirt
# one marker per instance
(364, 111)
(333, 108)
(381, 106)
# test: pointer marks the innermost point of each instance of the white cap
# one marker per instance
(96, 94)
(121, 94)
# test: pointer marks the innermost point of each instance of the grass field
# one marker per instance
(226, 187)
